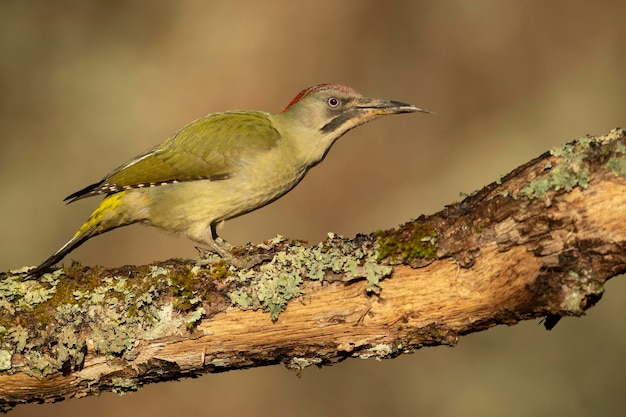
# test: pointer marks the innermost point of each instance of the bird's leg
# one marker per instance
(216, 245)
(224, 249)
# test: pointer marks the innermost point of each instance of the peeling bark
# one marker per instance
(541, 242)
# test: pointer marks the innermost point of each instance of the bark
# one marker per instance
(541, 242)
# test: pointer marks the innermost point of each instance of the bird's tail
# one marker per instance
(99, 222)
(78, 239)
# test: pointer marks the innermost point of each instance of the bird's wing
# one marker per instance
(210, 148)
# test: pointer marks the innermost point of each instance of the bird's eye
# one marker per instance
(334, 102)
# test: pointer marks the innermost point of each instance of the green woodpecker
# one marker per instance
(224, 165)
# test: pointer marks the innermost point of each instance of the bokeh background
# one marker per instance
(86, 85)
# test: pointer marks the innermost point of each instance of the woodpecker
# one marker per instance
(224, 165)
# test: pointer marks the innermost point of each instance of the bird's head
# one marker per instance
(321, 114)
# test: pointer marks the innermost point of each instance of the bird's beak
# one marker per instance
(380, 107)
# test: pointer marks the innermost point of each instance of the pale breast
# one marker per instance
(198, 204)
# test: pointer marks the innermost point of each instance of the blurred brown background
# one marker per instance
(84, 86)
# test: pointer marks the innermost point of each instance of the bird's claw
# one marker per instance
(224, 253)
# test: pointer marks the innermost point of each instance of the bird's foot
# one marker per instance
(222, 250)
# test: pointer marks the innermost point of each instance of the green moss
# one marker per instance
(219, 270)
(281, 279)
(188, 290)
(569, 171)
(616, 162)
(45, 320)
(194, 317)
(114, 338)
(5, 359)
(183, 288)
(617, 165)
(407, 244)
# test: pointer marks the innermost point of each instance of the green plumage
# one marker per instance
(212, 147)
(224, 165)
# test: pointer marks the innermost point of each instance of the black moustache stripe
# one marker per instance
(339, 121)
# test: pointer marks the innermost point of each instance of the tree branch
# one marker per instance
(541, 242)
